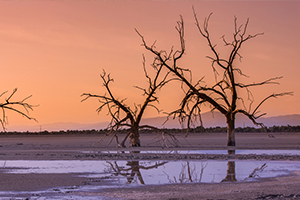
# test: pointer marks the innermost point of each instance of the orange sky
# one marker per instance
(55, 50)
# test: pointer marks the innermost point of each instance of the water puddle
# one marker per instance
(156, 172)
(102, 174)
(221, 152)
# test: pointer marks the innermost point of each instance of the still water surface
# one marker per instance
(157, 172)
(222, 152)
(105, 174)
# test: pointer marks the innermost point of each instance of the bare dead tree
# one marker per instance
(224, 95)
(124, 116)
(21, 107)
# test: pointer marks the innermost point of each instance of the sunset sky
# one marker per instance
(56, 50)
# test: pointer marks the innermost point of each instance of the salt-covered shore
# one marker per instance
(85, 147)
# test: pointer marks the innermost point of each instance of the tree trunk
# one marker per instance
(230, 177)
(230, 130)
(135, 170)
(135, 138)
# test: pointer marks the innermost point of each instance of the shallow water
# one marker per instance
(156, 172)
(222, 152)
(104, 174)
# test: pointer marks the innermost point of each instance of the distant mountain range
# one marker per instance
(209, 120)
(217, 119)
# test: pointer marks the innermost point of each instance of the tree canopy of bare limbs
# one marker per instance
(20, 107)
(122, 115)
(223, 96)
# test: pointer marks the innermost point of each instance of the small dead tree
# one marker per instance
(224, 95)
(124, 116)
(20, 107)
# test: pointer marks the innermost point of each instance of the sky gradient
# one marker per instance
(56, 50)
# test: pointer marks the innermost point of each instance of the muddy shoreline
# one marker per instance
(67, 155)
(86, 147)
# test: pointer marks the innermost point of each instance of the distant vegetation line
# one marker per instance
(199, 129)
(218, 129)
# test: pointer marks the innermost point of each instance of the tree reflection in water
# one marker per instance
(188, 174)
(230, 177)
(257, 170)
(132, 170)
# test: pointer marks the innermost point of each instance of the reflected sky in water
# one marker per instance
(118, 174)
(156, 172)
(241, 152)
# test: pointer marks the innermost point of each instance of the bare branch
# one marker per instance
(117, 108)
(222, 96)
(269, 81)
(20, 107)
(270, 96)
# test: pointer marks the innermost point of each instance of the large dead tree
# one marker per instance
(123, 115)
(20, 107)
(224, 95)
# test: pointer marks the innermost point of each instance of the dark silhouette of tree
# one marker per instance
(230, 176)
(20, 107)
(224, 95)
(255, 172)
(123, 115)
(132, 170)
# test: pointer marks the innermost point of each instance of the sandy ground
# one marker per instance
(75, 147)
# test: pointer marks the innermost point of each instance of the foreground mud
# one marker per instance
(275, 188)
(85, 147)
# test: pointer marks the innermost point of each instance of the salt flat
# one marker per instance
(63, 148)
